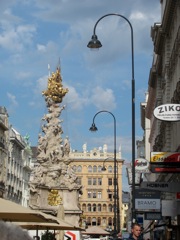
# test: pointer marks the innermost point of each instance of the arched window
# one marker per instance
(99, 168)
(94, 168)
(79, 169)
(93, 221)
(84, 207)
(74, 168)
(94, 207)
(90, 169)
(104, 208)
(110, 207)
(110, 169)
(88, 221)
(99, 207)
(89, 207)
(110, 222)
(99, 221)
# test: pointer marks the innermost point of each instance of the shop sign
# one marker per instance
(141, 164)
(165, 157)
(162, 186)
(147, 200)
(147, 204)
(152, 216)
(168, 112)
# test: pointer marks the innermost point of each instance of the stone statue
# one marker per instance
(53, 153)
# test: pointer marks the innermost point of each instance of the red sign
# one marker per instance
(157, 168)
(178, 195)
(70, 235)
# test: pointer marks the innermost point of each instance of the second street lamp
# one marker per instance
(116, 206)
(94, 43)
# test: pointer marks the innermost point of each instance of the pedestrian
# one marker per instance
(135, 232)
(9, 231)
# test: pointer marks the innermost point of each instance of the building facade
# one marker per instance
(164, 88)
(3, 148)
(18, 168)
(95, 172)
(15, 158)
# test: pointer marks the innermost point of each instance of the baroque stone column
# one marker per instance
(54, 188)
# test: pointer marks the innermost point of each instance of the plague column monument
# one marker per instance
(54, 188)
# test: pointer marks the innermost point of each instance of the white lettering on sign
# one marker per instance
(147, 204)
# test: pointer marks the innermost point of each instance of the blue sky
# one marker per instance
(35, 33)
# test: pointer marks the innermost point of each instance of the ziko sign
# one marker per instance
(168, 112)
(141, 165)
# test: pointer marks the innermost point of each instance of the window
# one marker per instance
(94, 168)
(99, 208)
(94, 194)
(110, 208)
(99, 221)
(99, 194)
(84, 207)
(110, 182)
(94, 181)
(99, 168)
(90, 169)
(79, 180)
(79, 169)
(104, 208)
(94, 207)
(93, 221)
(88, 221)
(89, 194)
(110, 169)
(110, 195)
(99, 181)
(89, 207)
(89, 181)
(110, 221)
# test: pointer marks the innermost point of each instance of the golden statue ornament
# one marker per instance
(55, 89)
(54, 198)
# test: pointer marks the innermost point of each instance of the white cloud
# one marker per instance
(12, 99)
(103, 98)
(16, 38)
(74, 100)
(41, 48)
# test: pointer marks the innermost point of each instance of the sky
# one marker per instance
(38, 33)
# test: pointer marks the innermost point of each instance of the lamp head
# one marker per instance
(103, 169)
(94, 42)
(93, 128)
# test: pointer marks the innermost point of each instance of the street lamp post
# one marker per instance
(93, 128)
(95, 43)
(118, 207)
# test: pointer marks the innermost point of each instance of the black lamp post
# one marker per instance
(95, 43)
(118, 207)
(93, 128)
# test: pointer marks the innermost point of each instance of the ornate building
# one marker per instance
(164, 88)
(97, 199)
